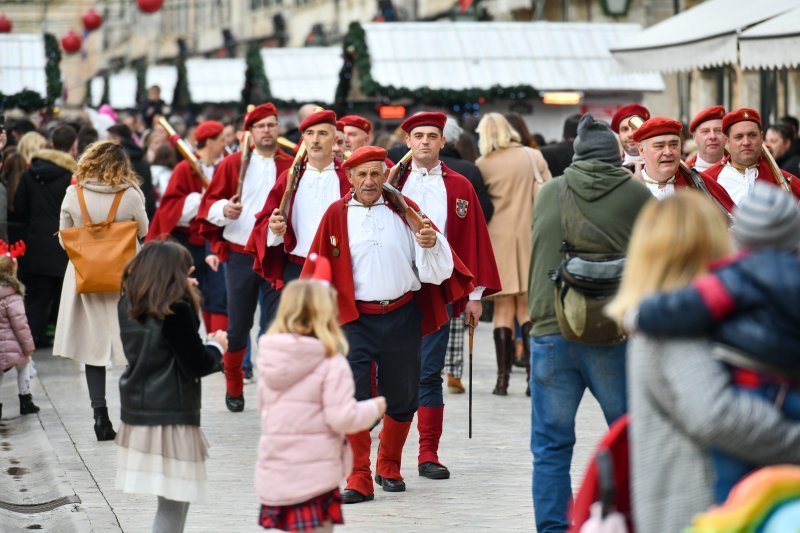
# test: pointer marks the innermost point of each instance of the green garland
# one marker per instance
(27, 100)
(256, 85)
(105, 97)
(140, 67)
(52, 68)
(182, 99)
(356, 39)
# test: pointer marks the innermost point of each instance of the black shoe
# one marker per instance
(235, 404)
(102, 425)
(433, 471)
(390, 485)
(353, 496)
(248, 374)
(26, 405)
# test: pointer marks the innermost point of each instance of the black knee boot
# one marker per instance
(504, 350)
(102, 424)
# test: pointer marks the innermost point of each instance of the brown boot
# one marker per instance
(526, 341)
(504, 350)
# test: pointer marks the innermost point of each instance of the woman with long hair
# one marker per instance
(513, 174)
(87, 329)
(681, 400)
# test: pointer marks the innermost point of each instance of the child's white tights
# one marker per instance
(23, 378)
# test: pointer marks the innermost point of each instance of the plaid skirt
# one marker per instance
(305, 516)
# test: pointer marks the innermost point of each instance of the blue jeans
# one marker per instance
(434, 349)
(247, 363)
(561, 371)
(728, 470)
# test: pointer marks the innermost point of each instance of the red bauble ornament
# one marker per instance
(92, 20)
(71, 42)
(5, 24)
(150, 6)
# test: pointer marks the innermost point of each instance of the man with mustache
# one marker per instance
(392, 287)
(738, 172)
(706, 129)
(659, 141)
(631, 158)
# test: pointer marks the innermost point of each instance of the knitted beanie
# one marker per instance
(596, 142)
(767, 218)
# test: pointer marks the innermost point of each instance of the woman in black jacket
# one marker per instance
(162, 450)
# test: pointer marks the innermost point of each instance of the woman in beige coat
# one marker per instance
(512, 173)
(87, 329)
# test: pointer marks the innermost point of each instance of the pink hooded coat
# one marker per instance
(15, 335)
(307, 405)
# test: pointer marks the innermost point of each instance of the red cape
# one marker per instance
(223, 187)
(717, 191)
(432, 299)
(467, 235)
(271, 260)
(182, 182)
(764, 173)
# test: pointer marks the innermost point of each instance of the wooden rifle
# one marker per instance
(777, 175)
(414, 219)
(286, 143)
(396, 171)
(185, 150)
(292, 178)
(245, 151)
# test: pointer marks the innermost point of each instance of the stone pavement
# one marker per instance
(56, 455)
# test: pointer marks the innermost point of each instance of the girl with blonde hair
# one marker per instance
(29, 144)
(306, 399)
(513, 174)
(681, 400)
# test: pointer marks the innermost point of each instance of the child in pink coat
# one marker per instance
(307, 405)
(16, 341)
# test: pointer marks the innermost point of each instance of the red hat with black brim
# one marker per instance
(740, 115)
(657, 126)
(426, 118)
(365, 154)
(715, 112)
(631, 110)
(260, 113)
(326, 116)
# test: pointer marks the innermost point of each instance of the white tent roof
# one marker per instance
(22, 62)
(166, 77)
(303, 74)
(479, 55)
(215, 80)
(772, 44)
(97, 83)
(700, 37)
(121, 90)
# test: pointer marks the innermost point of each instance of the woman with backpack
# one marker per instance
(87, 329)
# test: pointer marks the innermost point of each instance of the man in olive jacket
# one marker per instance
(561, 370)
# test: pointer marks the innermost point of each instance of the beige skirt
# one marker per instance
(167, 461)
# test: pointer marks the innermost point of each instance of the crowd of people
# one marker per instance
(367, 255)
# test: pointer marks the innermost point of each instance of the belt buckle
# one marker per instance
(384, 304)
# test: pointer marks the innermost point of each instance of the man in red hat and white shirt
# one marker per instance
(706, 129)
(631, 158)
(177, 216)
(450, 201)
(739, 171)
(659, 140)
(280, 248)
(228, 221)
(358, 133)
(392, 288)
(338, 145)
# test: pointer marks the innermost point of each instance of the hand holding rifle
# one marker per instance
(185, 150)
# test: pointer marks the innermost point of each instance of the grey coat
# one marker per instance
(681, 403)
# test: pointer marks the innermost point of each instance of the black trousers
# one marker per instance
(211, 284)
(42, 296)
(393, 341)
(243, 285)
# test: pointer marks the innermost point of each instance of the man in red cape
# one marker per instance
(631, 158)
(449, 199)
(393, 287)
(706, 130)
(737, 172)
(176, 216)
(357, 133)
(228, 220)
(659, 141)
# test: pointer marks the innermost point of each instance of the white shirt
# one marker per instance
(737, 185)
(426, 189)
(656, 189)
(387, 261)
(700, 164)
(316, 191)
(258, 181)
(192, 202)
(628, 160)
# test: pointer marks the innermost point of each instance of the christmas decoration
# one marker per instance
(52, 69)
(5, 24)
(256, 85)
(92, 20)
(149, 6)
(71, 42)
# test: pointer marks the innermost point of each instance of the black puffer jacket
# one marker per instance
(142, 169)
(166, 359)
(38, 202)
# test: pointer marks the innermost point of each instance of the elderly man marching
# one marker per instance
(706, 129)
(451, 202)
(659, 141)
(228, 221)
(738, 172)
(392, 288)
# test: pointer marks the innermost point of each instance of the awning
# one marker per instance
(772, 44)
(701, 37)
(22, 62)
(166, 77)
(213, 81)
(479, 55)
(303, 74)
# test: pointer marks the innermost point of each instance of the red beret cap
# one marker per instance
(657, 126)
(715, 112)
(326, 116)
(629, 110)
(260, 113)
(740, 115)
(424, 119)
(365, 154)
(208, 130)
(340, 126)
(359, 122)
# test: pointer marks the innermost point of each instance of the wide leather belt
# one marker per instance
(296, 259)
(238, 248)
(385, 306)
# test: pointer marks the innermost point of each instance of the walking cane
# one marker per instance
(471, 338)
